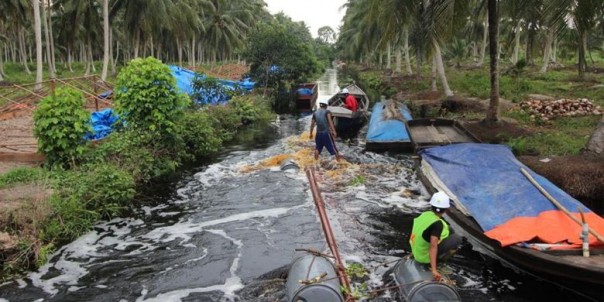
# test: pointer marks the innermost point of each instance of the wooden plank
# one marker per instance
(21, 156)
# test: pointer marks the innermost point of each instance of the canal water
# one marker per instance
(227, 230)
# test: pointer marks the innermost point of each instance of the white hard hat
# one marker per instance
(440, 200)
(345, 90)
(323, 101)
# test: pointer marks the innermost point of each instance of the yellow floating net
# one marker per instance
(302, 147)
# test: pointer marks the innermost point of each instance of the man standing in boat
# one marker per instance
(325, 131)
(350, 102)
(430, 239)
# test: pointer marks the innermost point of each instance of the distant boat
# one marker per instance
(387, 129)
(306, 96)
(349, 123)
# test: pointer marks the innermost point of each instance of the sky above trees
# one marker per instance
(315, 13)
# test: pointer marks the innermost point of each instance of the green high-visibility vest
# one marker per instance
(420, 248)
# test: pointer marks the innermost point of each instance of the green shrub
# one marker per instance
(60, 123)
(100, 187)
(138, 153)
(146, 97)
(197, 131)
(225, 120)
(251, 108)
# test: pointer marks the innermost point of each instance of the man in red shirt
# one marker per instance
(350, 102)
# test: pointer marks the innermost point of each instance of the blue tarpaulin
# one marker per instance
(184, 83)
(101, 122)
(488, 183)
(304, 91)
(391, 130)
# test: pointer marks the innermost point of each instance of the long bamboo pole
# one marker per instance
(559, 205)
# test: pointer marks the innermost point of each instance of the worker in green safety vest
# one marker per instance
(431, 238)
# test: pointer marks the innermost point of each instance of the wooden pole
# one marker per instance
(559, 205)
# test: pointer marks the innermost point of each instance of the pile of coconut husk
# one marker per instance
(546, 110)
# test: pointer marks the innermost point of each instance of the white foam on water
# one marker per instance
(3, 300)
(181, 230)
(231, 285)
(21, 283)
(149, 210)
(76, 256)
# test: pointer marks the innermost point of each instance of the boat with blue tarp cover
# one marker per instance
(387, 130)
(503, 213)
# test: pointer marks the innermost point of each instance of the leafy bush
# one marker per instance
(200, 138)
(251, 108)
(146, 97)
(102, 188)
(225, 120)
(137, 153)
(60, 123)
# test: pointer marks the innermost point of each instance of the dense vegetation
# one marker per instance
(86, 182)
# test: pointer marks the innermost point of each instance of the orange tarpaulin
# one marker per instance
(548, 227)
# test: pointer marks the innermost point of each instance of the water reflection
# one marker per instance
(328, 84)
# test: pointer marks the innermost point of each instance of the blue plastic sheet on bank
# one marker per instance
(102, 124)
(184, 83)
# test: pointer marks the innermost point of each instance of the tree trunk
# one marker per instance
(179, 50)
(90, 56)
(1, 64)
(474, 52)
(23, 49)
(493, 110)
(47, 39)
(440, 68)
(105, 40)
(582, 60)
(516, 44)
(113, 58)
(193, 52)
(555, 51)
(530, 39)
(547, 52)
(407, 56)
(389, 58)
(52, 39)
(434, 76)
(399, 60)
(38, 35)
(483, 50)
(137, 41)
(69, 58)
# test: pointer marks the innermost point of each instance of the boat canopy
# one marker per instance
(485, 182)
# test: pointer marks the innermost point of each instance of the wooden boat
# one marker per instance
(349, 123)
(430, 132)
(387, 130)
(566, 267)
(306, 96)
